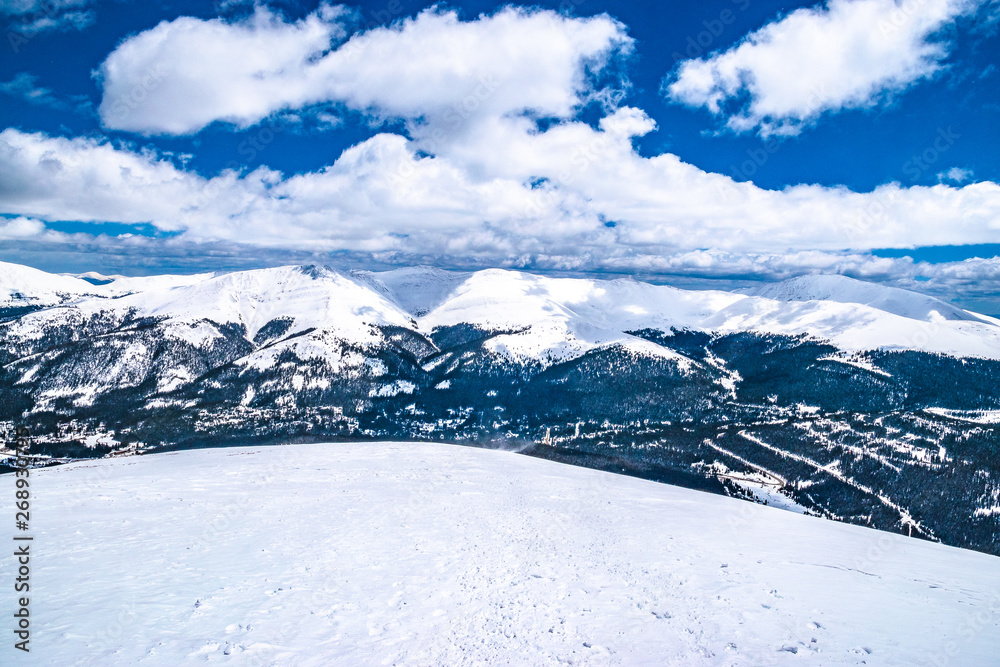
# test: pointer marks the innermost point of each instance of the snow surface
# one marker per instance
(122, 285)
(23, 285)
(556, 319)
(430, 554)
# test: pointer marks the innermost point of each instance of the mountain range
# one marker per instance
(823, 394)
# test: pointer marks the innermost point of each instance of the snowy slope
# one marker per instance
(555, 319)
(122, 285)
(857, 328)
(25, 286)
(842, 289)
(417, 290)
(423, 554)
(310, 296)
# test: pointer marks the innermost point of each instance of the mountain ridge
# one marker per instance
(421, 291)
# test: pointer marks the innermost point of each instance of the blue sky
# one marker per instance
(726, 140)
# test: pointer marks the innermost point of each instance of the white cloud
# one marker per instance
(24, 85)
(20, 228)
(55, 23)
(21, 7)
(848, 54)
(89, 180)
(185, 74)
(31, 17)
(955, 175)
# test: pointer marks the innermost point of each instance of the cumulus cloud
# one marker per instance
(846, 54)
(184, 74)
(20, 228)
(89, 180)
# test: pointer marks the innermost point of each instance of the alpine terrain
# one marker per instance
(825, 395)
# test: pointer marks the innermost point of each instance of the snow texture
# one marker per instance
(430, 554)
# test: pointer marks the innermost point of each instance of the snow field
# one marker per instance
(430, 554)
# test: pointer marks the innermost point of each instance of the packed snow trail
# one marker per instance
(430, 554)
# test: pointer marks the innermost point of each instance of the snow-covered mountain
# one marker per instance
(565, 316)
(428, 554)
(23, 286)
(853, 399)
(842, 289)
(26, 288)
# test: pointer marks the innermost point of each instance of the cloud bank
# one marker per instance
(576, 193)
